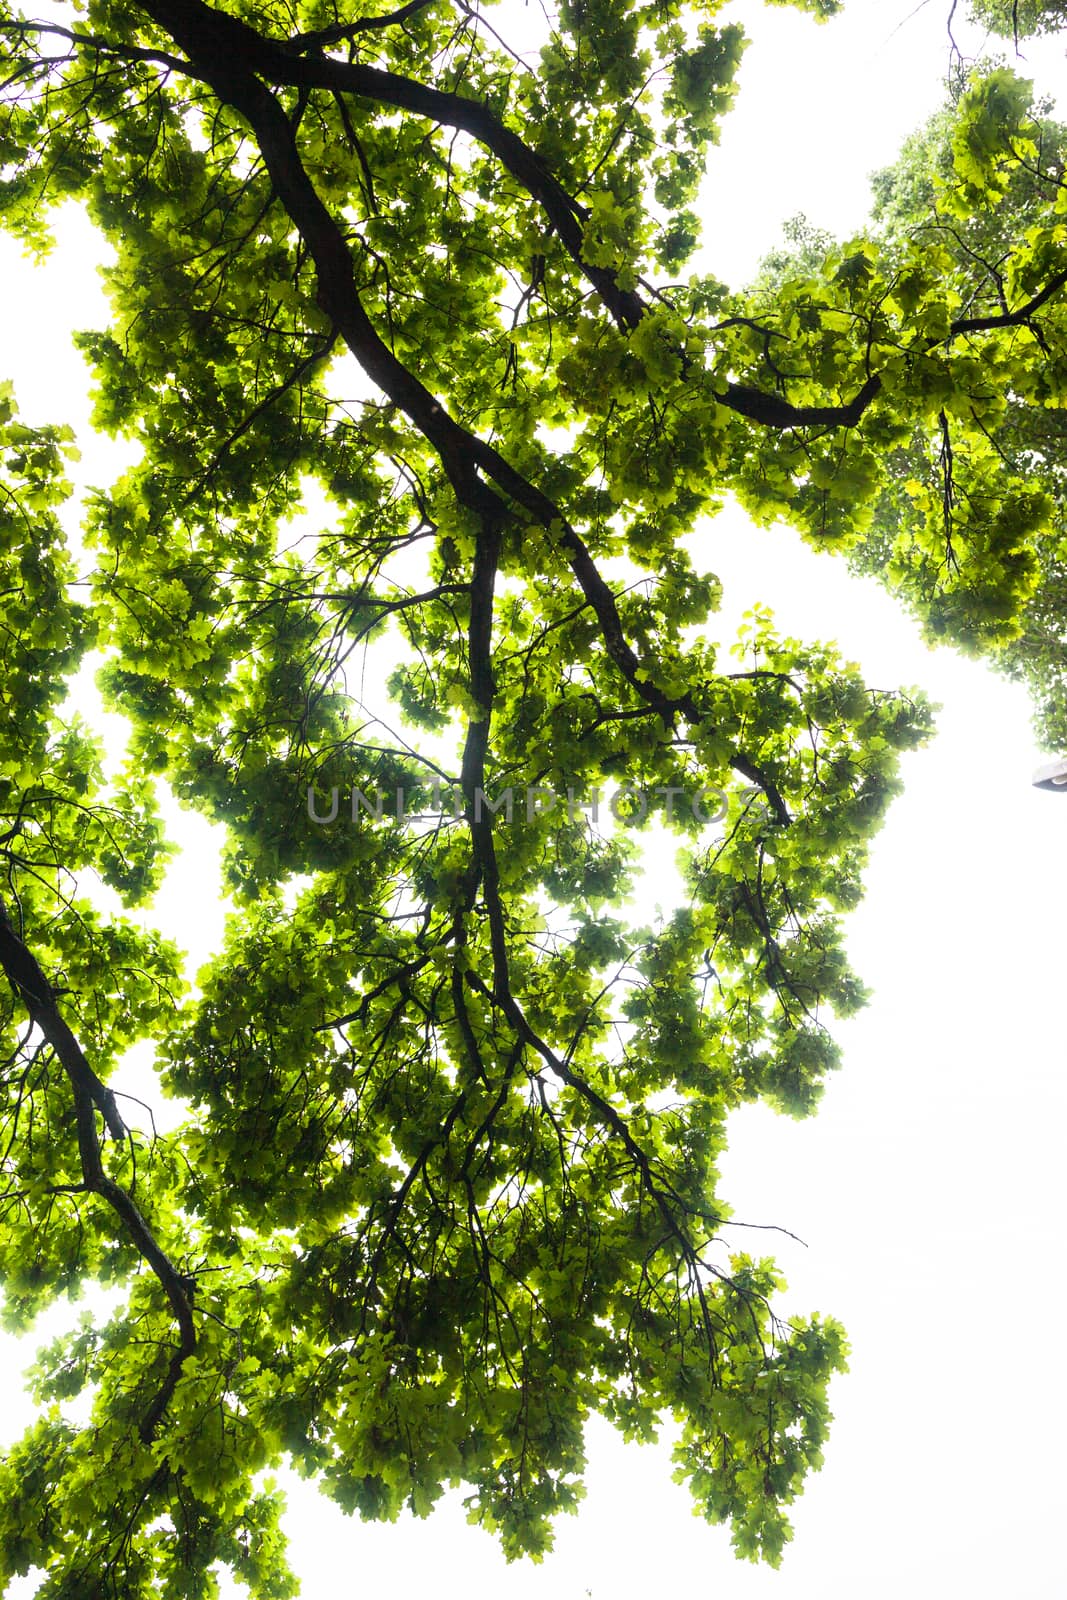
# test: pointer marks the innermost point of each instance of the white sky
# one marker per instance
(929, 1186)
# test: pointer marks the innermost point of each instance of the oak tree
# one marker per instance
(403, 333)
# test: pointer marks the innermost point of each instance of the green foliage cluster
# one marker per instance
(1020, 19)
(994, 134)
(447, 1183)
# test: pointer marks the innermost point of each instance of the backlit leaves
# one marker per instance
(411, 401)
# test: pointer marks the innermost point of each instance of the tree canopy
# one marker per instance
(1029, 438)
(446, 1182)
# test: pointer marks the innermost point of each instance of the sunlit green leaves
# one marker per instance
(447, 1180)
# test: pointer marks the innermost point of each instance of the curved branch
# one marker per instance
(212, 37)
(1011, 319)
(120, 52)
(771, 411)
(209, 36)
(91, 1095)
(463, 455)
(33, 988)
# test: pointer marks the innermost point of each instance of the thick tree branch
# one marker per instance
(90, 1095)
(204, 31)
(462, 453)
(212, 37)
(771, 411)
(1011, 319)
(33, 988)
(206, 34)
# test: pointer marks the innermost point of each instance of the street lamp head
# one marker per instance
(1052, 776)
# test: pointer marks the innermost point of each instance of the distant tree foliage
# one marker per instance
(916, 204)
(446, 1180)
(1019, 19)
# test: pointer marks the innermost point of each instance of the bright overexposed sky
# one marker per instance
(929, 1188)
